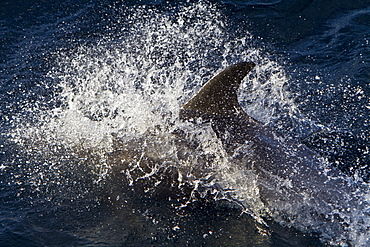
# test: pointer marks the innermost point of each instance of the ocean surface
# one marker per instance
(92, 152)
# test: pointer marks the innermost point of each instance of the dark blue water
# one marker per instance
(76, 76)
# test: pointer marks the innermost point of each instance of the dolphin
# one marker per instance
(296, 185)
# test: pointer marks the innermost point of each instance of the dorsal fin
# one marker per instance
(218, 97)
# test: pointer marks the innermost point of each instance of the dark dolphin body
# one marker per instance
(295, 184)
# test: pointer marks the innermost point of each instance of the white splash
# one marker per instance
(124, 86)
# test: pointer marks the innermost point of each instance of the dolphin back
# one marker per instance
(218, 97)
